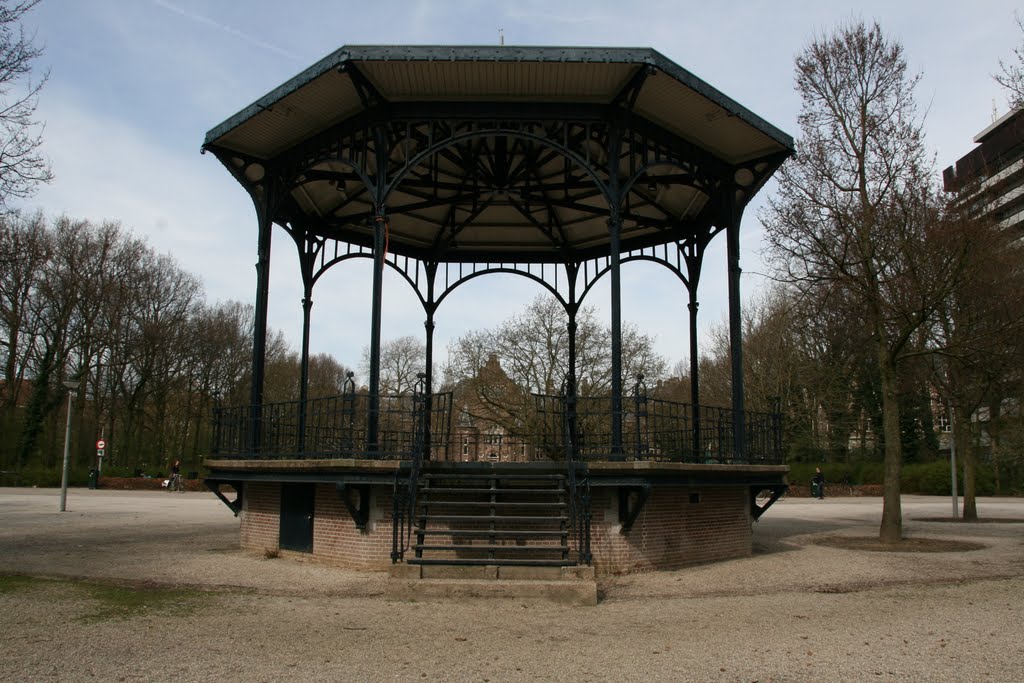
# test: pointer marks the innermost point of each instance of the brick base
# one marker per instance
(676, 527)
(336, 540)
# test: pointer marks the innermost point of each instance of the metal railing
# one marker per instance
(652, 429)
(657, 429)
(332, 427)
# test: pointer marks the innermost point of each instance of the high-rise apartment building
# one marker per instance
(991, 176)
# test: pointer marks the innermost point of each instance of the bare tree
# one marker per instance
(401, 360)
(853, 218)
(22, 165)
(533, 348)
(797, 354)
(96, 304)
(326, 376)
(24, 248)
(1011, 72)
(978, 338)
(494, 372)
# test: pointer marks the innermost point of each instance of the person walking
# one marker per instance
(818, 484)
(176, 484)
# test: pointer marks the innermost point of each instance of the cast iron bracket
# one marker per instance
(774, 493)
(360, 513)
(236, 504)
(638, 495)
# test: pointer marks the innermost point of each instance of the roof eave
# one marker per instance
(498, 53)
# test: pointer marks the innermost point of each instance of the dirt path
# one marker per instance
(793, 611)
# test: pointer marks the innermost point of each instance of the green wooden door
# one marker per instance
(297, 517)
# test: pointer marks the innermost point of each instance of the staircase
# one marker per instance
(494, 519)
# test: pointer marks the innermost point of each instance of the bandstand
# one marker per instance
(446, 164)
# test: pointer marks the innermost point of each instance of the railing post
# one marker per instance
(776, 436)
(218, 415)
(429, 381)
(307, 305)
(694, 372)
(639, 404)
(420, 401)
(348, 412)
(397, 522)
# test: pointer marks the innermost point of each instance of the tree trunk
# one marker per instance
(891, 529)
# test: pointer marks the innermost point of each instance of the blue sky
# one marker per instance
(135, 85)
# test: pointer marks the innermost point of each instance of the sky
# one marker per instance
(135, 85)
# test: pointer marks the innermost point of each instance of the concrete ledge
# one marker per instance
(490, 572)
(470, 572)
(577, 592)
(405, 571)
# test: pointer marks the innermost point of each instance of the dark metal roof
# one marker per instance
(531, 180)
(404, 73)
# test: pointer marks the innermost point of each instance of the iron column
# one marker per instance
(372, 425)
(732, 233)
(615, 228)
(259, 337)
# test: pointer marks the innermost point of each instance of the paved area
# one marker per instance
(795, 610)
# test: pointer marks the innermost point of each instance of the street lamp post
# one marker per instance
(72, 387)
(952, 461)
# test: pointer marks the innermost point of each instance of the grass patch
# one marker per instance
(980, 520)
(118, 603)
(907, 545)
(97, 602)
(12, 584)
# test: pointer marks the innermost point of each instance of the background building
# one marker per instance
(991, 176)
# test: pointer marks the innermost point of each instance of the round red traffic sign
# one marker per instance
(100, 444)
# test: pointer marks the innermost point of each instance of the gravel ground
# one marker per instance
(794, 611)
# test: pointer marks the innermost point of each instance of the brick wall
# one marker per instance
(336, 540)
(671, 531)
(261, 516)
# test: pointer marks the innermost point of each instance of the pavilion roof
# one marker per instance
(322, 94)
(356, 80)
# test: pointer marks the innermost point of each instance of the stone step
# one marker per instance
(573, 585)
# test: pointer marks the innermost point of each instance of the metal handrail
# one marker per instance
(404, 506)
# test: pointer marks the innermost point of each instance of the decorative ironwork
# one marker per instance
(573, 429)
(449, 166)
(656, 429)
(335, 427)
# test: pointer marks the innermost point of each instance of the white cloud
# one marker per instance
(185, 204)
